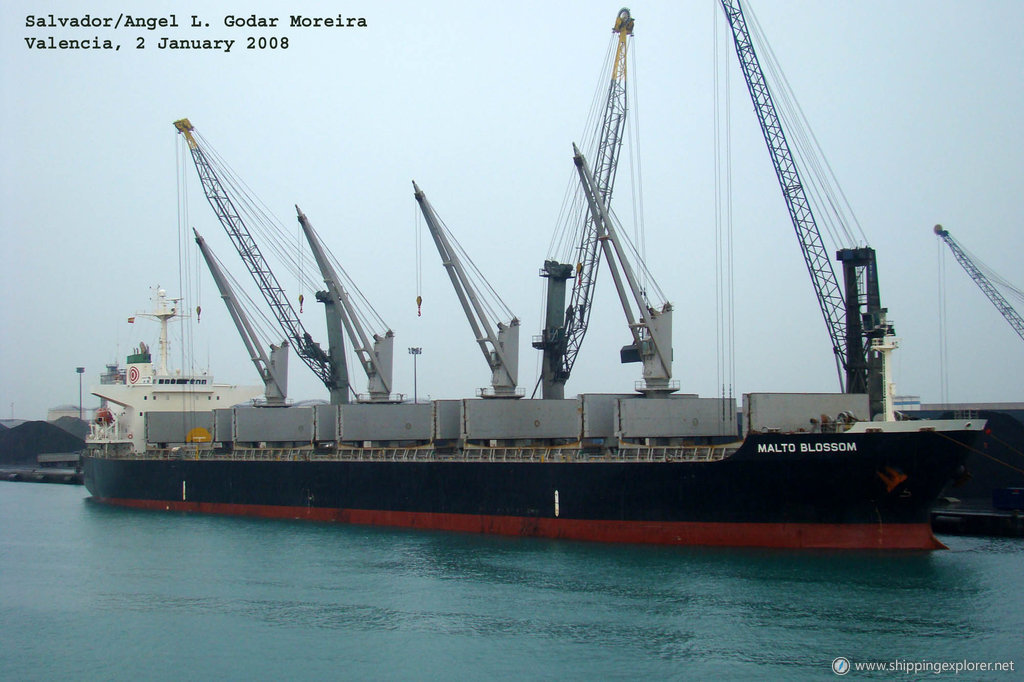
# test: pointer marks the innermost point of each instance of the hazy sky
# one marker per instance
(916, 104)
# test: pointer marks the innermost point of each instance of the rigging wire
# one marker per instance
(834, 211)
(994, 276)
(567, 234)
(717, 175)
(653, 294)
(418, 241)
(731, 260)
(268, 229)
(490, 300)
(183, 270)
(567, 241)
(187, 286)
(943, 344)
(261, 324)
(724, 259)
(635, 174)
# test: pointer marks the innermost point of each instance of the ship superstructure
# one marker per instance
(152, 397)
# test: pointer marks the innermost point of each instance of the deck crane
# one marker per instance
(501, 350)
(983, 282)
(273, 370)
(330, 366)
(651, 327)
(850, 320)
(565, 328)
(376, 360)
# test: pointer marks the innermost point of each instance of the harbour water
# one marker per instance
(91, 592)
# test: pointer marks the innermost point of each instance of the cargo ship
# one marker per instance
(804, 473)
(653, 466)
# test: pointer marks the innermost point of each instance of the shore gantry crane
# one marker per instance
(852, 319)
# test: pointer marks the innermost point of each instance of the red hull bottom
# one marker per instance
(914, 536)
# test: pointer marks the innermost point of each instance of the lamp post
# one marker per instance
(415, 352)
(81, 371)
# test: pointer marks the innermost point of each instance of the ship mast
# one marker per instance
(164, 310)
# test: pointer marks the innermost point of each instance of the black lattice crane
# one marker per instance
(565, 327)
(857, 317)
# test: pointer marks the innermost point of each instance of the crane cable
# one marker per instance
(724, 272)
(268, 228)
(263, 325)
(566, 237)
(832, 208)
(943, 345)
(418, 242)
(189, 281)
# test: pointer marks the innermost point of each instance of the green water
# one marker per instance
(90, 592)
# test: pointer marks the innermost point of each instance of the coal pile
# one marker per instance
(24, 443)
(76, 427)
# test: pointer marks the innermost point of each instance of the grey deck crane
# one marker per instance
(376, 360)
(983, 282)
(501, 350)
(273, 370)
(651, 327)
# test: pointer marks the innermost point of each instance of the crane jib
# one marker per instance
(819, 266)
(564, 347)
(334, 377)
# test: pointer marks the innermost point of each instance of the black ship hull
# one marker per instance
(864, 490)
